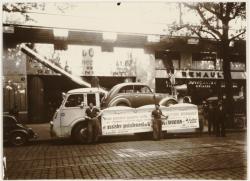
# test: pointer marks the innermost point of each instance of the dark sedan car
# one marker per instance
(135, 95)
(15, 133)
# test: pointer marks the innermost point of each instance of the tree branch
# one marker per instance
(207, 23)
(215, 37)
(236, 36)
(238, 10)
(212, 11)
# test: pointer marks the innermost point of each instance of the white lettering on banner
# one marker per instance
(138, 120)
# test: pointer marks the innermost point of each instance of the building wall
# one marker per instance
(14, 81)
(145, 69)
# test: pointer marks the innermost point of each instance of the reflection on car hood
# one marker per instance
(22, 126)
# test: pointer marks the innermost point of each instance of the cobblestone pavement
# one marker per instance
(183, 158)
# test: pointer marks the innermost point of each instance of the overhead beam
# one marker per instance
(53, 67)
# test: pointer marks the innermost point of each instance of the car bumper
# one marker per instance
(35, 136)
(52, 132)
(32, 134)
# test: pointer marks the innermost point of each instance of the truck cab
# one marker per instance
(69, 119)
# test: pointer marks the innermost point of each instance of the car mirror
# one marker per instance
(81, 105)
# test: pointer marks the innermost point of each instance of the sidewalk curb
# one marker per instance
(169, 135)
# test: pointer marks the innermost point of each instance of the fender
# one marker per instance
(119, 99)
(19, 130)
(74, 123)
(166, 99)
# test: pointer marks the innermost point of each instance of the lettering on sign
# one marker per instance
(139, 120)
(202, 74)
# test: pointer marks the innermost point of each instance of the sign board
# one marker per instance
(203, 74)
(123, 120)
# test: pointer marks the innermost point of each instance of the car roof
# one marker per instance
(85, 90)
(130, 83)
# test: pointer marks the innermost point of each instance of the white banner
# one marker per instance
(124, 120)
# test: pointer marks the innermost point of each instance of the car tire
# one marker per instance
(18, 139)
(80, 133)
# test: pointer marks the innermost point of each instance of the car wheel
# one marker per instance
(122, 104)
(18, 139)
(80, 133)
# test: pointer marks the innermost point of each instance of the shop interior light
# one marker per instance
(153, 38)
(193, 41)
(109, 36)
(8, 29)
(231, 44)
(60, 33)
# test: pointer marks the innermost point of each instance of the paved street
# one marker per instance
(176, 158)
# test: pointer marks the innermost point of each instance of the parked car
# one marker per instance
(135, 95)
(16, 133)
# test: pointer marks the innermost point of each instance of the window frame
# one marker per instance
(65, 102)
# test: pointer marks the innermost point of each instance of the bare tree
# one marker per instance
(29, 8)
(216, 21)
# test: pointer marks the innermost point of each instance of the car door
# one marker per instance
(142, 96)
(126, 92)
(72, 109)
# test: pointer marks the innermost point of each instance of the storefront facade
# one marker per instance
(105, 64)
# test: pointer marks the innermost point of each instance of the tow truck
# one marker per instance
(69, 119)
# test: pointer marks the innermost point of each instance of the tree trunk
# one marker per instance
(228, 83)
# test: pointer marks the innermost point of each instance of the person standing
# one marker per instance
(157, 122)
(92, 114)
(205, 109)
(211, 119)
(220, 120)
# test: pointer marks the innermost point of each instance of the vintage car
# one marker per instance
(16, 133)
(135, 95)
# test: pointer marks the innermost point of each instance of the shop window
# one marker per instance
(176, 63)
(167, 60)
(74, 100)
(203, 61)
(14, 93)
(237, 66)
